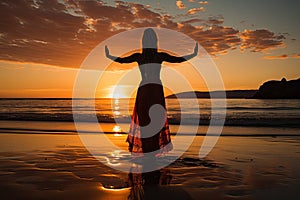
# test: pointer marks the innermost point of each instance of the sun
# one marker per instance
(118, 95)
(119, 91)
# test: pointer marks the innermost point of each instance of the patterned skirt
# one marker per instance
(139, 142)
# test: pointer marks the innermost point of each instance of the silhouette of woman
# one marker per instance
(150, 92)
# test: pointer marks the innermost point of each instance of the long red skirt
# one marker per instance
(139, 143)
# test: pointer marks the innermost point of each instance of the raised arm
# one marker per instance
(175, 59)
(127, 59)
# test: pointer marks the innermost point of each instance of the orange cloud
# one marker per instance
(296, 56)
(180, 5)
(195, 10)
(260, 40)
(283, 56)
(62, 33)
(216, 20)
(203, 2)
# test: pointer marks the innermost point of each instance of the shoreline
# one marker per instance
(64, 132)
(276, 122)
(68, 128)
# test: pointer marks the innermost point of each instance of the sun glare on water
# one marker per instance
(117, 129)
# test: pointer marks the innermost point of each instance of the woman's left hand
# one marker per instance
(196, 49)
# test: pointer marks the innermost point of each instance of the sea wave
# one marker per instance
(173, 119)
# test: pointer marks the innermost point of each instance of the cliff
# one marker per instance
(279, 90)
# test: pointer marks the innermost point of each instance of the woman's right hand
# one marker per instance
(106, 51)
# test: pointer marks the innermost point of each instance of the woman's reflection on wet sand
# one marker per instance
(152, 185)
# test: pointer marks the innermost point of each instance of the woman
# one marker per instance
(150, 92)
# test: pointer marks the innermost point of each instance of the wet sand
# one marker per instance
(53, 166)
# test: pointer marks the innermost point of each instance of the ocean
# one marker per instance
(239, 112)
(279, 114)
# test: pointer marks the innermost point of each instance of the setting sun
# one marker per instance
(118, 91)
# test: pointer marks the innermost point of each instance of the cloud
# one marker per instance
(203, 2)
(62, 33)
(194, 20)
(216, 39)
(54, 33)
(180, 5)
(216, 20)
(195, 10)
(283, 56)
(296, 56)
(261, 40)
(23, 23)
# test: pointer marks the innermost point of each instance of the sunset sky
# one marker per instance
(43, 43)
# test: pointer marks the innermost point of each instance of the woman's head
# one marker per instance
(149, 40)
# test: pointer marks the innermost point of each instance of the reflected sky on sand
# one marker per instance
(58, 166)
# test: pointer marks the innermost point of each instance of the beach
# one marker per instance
(54, 164)
(45, 155)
